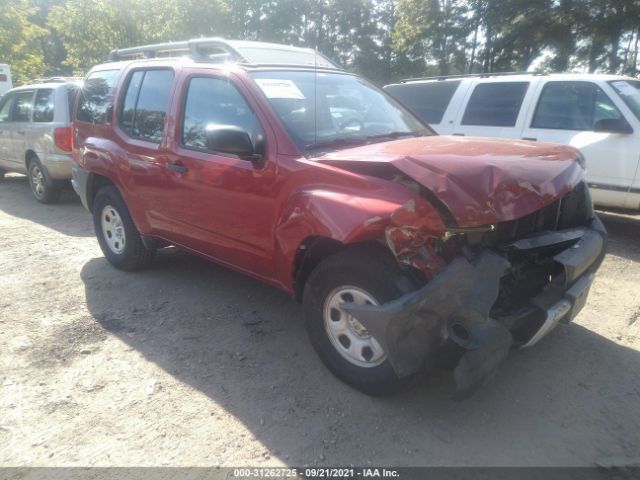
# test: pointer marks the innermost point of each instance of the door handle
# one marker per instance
(177, 167)
(531, 139)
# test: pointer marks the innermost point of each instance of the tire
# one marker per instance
(366, 271)
(117, 235)
(41, 188)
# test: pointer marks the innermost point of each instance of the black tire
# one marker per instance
(373, 270)
(42, 188)
(134, 255)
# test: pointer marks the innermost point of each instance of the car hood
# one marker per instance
(480, 180)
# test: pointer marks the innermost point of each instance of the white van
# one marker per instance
(598, 114)
(5, 79)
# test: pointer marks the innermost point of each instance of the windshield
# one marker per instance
(629, 91)
(325, 111)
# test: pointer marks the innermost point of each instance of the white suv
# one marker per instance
(598, 114)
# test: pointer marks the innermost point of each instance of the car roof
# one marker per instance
(519, 76)
(51, 85)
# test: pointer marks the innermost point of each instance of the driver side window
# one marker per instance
(215, 102)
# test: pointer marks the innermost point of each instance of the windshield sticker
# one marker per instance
(624, 88)
(275, 88)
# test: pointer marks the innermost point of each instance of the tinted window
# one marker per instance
(130, 99)
(72, 91)
(96, 96)
(573, 106)
(429, 100)
(212, 101)
(145, 104)
(495, 104)
(5, 107)
(22, 107)
(629, 92)
(43, 106)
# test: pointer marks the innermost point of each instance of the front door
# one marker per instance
(219, 203)
(567, 113)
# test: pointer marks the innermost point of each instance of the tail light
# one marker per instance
(62, 139)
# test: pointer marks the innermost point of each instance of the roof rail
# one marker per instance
(219, 50)
(471, 75)
(56, 80)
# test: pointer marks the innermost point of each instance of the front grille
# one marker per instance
(574, 209)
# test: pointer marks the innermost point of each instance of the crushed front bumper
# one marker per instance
(456, 305)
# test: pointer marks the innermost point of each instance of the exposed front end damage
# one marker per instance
(489, 288)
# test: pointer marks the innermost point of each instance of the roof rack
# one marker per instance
(468, 75)
(56, 80)
(219, 50)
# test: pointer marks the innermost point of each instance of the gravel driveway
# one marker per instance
(191, 364)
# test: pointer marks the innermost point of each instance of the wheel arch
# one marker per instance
(95, 182)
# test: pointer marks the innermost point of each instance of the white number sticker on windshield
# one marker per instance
(275, 88)
(624, 88)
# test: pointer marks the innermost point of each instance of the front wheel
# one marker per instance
(365, 275)
(42, 189)
(117, 235)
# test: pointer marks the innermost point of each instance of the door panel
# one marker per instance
(19, 125)
(220, 204)
(566, 113)
(6, 147)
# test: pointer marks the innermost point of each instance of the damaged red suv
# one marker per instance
(401, 244)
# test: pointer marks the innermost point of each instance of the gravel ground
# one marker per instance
(192, 364)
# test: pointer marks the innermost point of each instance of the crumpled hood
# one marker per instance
(480, 180)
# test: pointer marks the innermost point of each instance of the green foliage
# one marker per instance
(382, 39)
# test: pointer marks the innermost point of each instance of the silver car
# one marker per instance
(35, 135)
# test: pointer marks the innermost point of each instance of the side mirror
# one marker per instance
(229, 139)
(612, 125)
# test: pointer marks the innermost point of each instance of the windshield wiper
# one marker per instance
(338, 142)
(393, 135)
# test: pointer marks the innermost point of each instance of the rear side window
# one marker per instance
(22, 107)
(5, 107)
(96, 96)
(43, 106)
(145, 104)
(428, 100)
(573, 106)
(495, 104)
(215, 101)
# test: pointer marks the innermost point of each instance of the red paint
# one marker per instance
(254, 216)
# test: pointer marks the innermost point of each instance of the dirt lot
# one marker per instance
(191, 364)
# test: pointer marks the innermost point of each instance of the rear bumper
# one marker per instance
(458, 305)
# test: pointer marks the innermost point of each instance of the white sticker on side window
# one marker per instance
(624, 88)
(275, 88)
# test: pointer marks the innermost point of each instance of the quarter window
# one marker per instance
(495, 104)
(215, 101)
(429, 100)
(145, 103)
(22, 107)
(43, 106)
(573, 106)
(96, 96)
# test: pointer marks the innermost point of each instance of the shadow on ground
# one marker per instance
(67, 216)
(624, 233)
(571, 400)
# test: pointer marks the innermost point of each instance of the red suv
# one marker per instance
(401, 244)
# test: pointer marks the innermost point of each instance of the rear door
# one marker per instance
(567, 113)
(494, 109)
(6, 147)
(19, 126)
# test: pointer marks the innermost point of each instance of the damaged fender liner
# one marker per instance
(456, 304)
